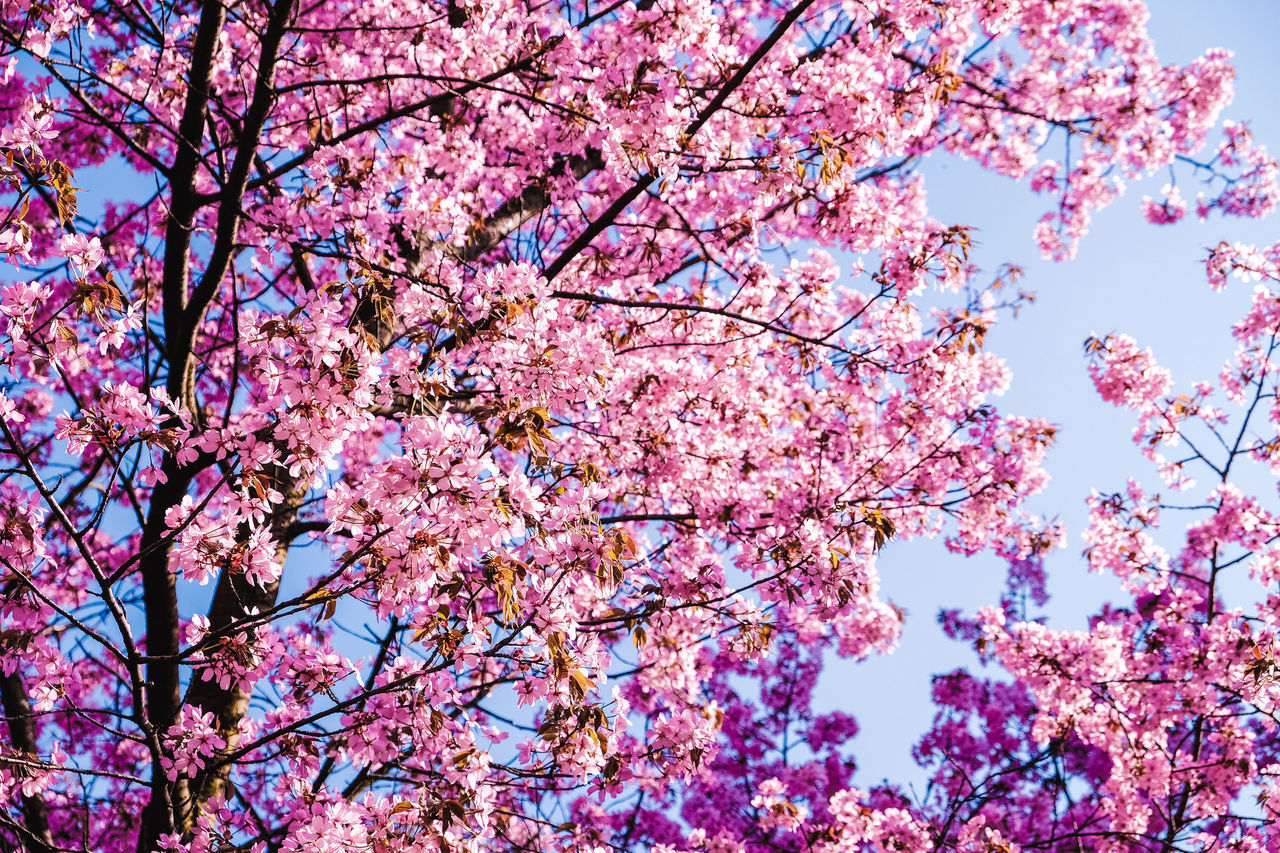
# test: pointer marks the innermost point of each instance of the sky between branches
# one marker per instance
(1128, 276)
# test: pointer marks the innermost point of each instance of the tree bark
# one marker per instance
(22, 733)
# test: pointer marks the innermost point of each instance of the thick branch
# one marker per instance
(535, 199)
(233, 598)
(229, 213)
(159, 590)
(183, 200)
(22, 732)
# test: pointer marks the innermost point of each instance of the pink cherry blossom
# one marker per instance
(471, 426)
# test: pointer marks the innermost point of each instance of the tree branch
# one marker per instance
(22, 732)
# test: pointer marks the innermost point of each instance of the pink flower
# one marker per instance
(1168, 211)
(189, 742)
(9, 411)
(85, 252)
(1125, 375)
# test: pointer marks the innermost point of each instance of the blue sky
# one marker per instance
(1144, 280)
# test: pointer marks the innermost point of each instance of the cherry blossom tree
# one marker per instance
(1157, 728)
(471, 424)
